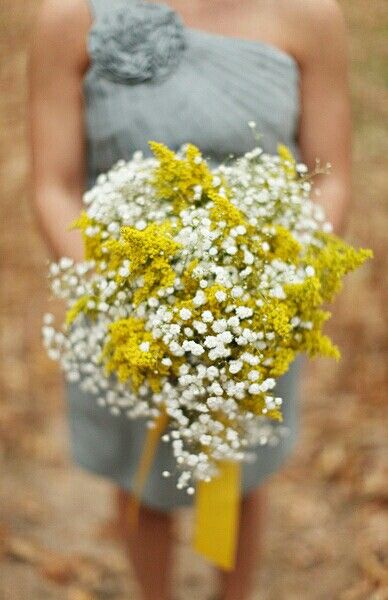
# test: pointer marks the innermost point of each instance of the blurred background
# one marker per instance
(327, 530)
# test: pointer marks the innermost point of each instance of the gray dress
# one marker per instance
(151, 77)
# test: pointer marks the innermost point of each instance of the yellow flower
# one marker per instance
(150, 253)
(333, 261)
(79, 306)
(274, 315)
(175, 178)
(224, 210)
(284, 246)
(288, 161)
(132, 354)
(92, 243)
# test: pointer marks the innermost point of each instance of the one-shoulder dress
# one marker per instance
(151, 77)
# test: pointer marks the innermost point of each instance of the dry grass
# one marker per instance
(328, 532)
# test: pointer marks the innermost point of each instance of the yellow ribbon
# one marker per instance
(216, 508)
(217, 516)
(152, 439)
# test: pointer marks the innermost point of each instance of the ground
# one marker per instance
(327, 528)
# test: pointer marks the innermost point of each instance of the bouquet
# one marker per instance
(199, 288)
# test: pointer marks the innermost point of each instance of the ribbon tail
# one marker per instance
(151, 442)
(217, 513)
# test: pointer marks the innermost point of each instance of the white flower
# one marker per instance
(200, 327)
(185, 314)
(66, 263)
(48, 319)
(219, 326)
(185, 380)
(103, 307)
(193, 347)
(141, 224)
(144, 346)
(310, 271)
(233, 321)
(218, 352)
(214, 402)
(212, 372)
(216, 389)
(207, 316)
(235, 366)
(54, 269)
(205, 439)
(265, 246)
(199, 298)
(268, 384)
(327, 227)
(250, 359)
(153, 302)
(253, 375)
(225, 337)
(176, 349)
(174, 329)
(248, 257)
(249, 335)
(278, 292)
(211, 341)
(237, 292)
(220, 295)
(244, 312)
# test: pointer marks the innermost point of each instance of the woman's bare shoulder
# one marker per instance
(314, 26)
(313, 11)
(60, 31)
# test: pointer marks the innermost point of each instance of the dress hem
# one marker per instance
(188, 500)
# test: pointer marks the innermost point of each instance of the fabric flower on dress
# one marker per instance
(137, 42)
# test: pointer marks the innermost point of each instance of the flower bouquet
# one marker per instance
(199, 288)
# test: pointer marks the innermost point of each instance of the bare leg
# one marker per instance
(237, 584)
(149, 548)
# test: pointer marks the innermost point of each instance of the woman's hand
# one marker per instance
(325, 124)
(58, 61)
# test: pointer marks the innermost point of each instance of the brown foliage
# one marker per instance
(328, 528)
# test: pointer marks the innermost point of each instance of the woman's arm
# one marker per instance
(58, 59)
(325, 125)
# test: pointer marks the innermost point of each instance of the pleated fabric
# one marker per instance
(217, 87)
